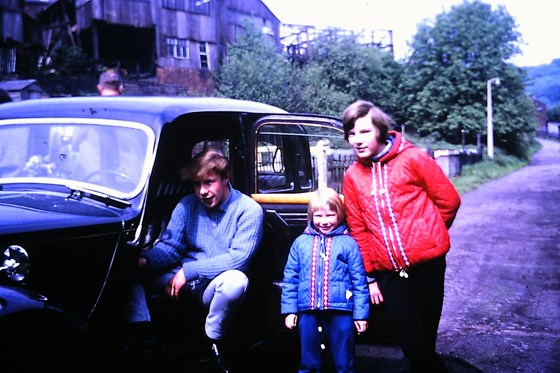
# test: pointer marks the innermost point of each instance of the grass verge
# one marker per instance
(477, 174)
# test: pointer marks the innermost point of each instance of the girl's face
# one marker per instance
(325, 220)
(363, 138)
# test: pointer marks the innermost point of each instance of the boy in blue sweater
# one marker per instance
(205, 250)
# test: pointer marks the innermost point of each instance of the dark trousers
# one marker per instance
(414, 305)
(332, 329)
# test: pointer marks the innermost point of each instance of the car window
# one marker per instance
(221, 145)
(107, 156)
(299, 158)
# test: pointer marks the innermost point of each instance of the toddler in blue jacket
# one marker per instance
(325, 291)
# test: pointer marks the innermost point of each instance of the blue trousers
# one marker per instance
(319, 330)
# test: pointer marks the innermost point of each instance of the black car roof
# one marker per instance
(146, 109)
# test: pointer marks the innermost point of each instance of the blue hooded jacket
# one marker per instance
(325, 272)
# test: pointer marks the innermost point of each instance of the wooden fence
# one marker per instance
(337, 161)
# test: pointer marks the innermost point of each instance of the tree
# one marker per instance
(444, 85)
(553, 115)
(69, 60)
(255, 70)
(339, 71)
(350, 69)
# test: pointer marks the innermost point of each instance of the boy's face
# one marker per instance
(364, 138)
(211, 189)
(325, 220)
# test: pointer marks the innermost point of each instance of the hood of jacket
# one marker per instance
(398, 145)
(342, 229)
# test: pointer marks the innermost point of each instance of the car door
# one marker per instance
(292, 157)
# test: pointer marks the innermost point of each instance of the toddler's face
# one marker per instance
(325, 220)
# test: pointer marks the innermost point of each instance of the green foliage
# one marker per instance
(434, 142)
(474, 175)
(70, 60)
(317, 95)
(446, 78)
(553, 115)
(255, 70)
(439, 92)
(339, 71)
(355, 70)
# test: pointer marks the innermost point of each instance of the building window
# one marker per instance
(199, 6)
(178, 48)
(268, 28)
(204, 58)
(175, 4)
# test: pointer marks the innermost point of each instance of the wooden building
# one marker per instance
(179, 41)
(11, 33)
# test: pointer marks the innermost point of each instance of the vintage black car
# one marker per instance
(86, 183)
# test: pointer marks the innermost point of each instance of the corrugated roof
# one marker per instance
(16, 85)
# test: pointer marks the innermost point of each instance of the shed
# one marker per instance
(553, 129)
(20, 90)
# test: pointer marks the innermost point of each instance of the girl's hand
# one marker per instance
(374, 293)
(291, 321)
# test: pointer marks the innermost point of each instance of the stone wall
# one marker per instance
(165, 84)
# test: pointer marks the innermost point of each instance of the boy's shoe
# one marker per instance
(216, 358)
(140, 343)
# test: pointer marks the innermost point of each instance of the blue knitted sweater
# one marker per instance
(207, 242)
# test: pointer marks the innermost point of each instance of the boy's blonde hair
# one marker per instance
(208, 160)
(326, 197)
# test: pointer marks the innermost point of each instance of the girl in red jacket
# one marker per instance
(400, 206)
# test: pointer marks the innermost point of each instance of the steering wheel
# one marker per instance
(122, 177)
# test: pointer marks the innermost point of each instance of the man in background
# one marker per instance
(110, 84)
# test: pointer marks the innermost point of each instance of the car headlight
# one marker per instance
(15, 263)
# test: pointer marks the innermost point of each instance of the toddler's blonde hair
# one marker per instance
(326, 197)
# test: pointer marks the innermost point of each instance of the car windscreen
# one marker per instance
(112, 157)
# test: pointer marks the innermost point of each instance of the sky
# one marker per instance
(536, 20)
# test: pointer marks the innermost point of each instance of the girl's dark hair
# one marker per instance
(381, 120)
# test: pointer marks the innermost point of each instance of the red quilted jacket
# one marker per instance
(400, 208)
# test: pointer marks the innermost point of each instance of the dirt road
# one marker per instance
(502, 301)
(502, 305)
